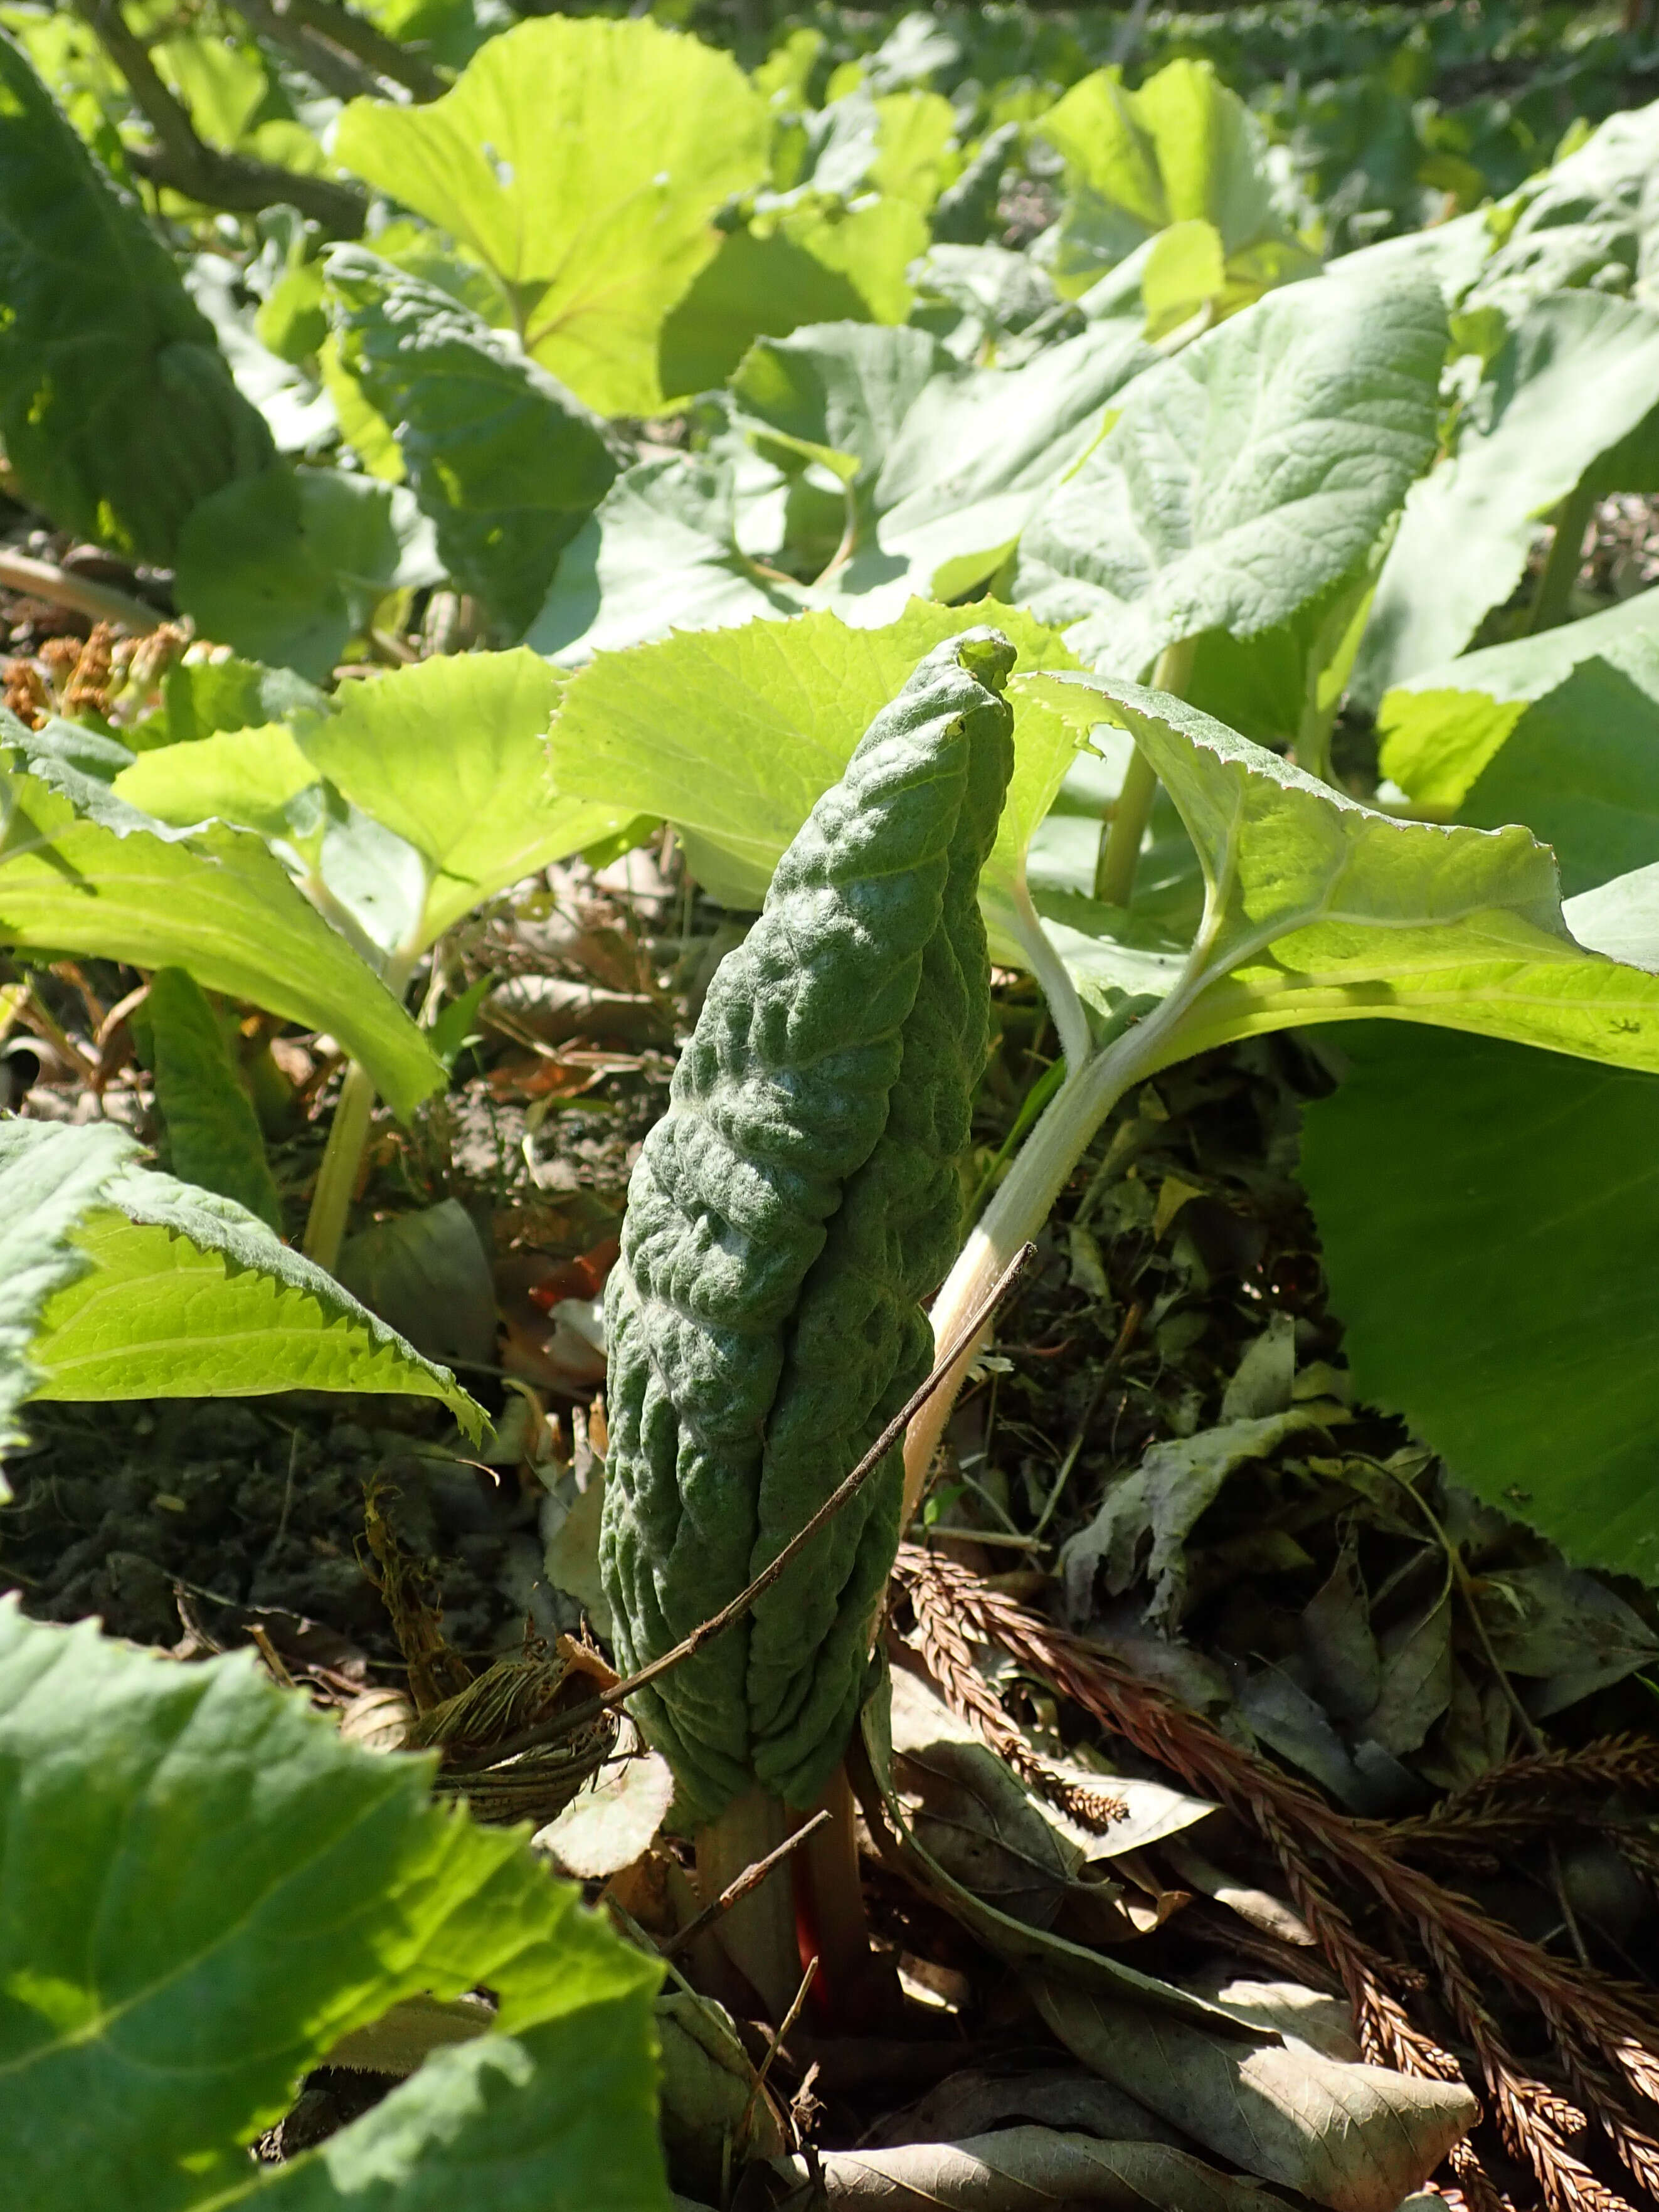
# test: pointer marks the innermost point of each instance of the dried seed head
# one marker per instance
(26, 694)
(87, 689)
(60, 657)
(153, 655)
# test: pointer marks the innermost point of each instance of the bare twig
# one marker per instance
(330, 65)
(184, 163)
(750, 1878)
(773, 2047)
(840, 1496)
(44, 579)
(341, 27)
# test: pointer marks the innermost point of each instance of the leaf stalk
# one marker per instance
(1120, 849)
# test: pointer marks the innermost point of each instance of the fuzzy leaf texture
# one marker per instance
(784, 1221)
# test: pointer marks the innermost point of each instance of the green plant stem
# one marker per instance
(1566, 554)
(1014, 913)
(1120, 846)
(1313, 735)
(1028, 1192)
(337, 1178)
(849, 538)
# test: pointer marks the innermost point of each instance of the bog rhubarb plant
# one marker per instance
(785, 1220)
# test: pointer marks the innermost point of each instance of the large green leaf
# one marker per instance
(247, 777)
(121, 1283)
(1490, 1220)
(505, 463)
(661, 553)
(1318, 908)
(206, 1890)
(1183, 160)
(288, 566)
(216, 903)
(1245, 476)
(1560, 730)
(116, 410)
(1576, 377)
(837, 394)
(450, 756)
(1581, 222)
(733, 734)
(814, 262)
(942, 464)
(581, 162)
(1182, 149)
(199, 697)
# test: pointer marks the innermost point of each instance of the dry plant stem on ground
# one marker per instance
(1604, 2032)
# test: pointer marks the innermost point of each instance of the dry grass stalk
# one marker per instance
(1528, 1793)
(1475, 2186)
(1601, 2096)
(1577, 2003)
(946, 1654)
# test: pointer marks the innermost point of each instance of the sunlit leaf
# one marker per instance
(1318, 908)
(732, 734)
(217, 904)
(1245, 476)
(581, 161)
(1577, 375)
(128, 1284)
(1560, 730)
(208, 1890)
(450, 756)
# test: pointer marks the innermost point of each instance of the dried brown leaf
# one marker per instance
(1356, 2138)
(1029, 2169)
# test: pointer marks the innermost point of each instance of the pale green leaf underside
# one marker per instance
(732, 734)
(1503, 1300)
(581, 162)
(206, 1889)
(220, 906)
(1560, 730)
(660, 553)
(450, 756)
(1578, 374)
(1321, 909)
